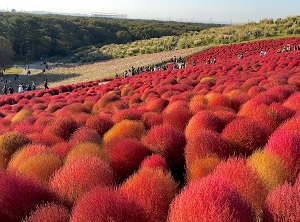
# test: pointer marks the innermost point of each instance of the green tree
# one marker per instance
(6, 53)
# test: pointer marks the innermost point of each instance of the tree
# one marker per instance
(6, 53)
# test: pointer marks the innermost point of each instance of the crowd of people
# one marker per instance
(176, 63)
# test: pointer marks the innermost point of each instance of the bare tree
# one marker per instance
(6, 54)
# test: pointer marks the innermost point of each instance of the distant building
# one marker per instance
(109, 15)
(13, 11)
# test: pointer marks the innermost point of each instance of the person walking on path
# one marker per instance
(46, 84)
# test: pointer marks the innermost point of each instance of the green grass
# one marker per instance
(13, 70)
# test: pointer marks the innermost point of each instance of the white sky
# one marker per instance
(236, 11)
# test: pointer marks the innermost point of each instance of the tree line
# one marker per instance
(33, 36)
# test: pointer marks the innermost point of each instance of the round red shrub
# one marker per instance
(153, 189)
(101, 123)
(245, 135)
(203, 120)
(285, 145)
(167, 141)
(203, 143)
(247, 182)
(293, 102)
(79, 176)
(49, 212)
(157, 104)
(151, 119)
(177, 114)
(19, 196)
(107, 205)
(209, 199)
(126, 154)
(83, 135)
(130, 113)
(155, 161)
(62, 127)
(282, 204)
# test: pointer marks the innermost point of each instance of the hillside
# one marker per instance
(217, 141)
(34, 36)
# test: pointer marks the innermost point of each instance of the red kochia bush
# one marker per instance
(49, 212)
(167, 141)
(19, 196)
(102, 204)
(125, 155)
(62, 127)
(151, 119)
(203, 143)
(155, 161)
(210, 199)
(101, 123)
(83, 135)
(285, 145)
(293, 102)
(247, 182)
(153, 189)
(245, 135)
(203, 120)
(283, 204)
(177, 114)
(80, 175)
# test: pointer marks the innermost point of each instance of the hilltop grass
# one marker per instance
(13, 70)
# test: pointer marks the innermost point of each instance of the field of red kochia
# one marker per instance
(211, 142)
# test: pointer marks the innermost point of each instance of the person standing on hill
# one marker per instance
(33, 87)
(46, 84)
(4, 89)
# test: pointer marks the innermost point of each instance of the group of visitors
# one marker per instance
(27, 87)
(7, 90)
(288, 48)
(177, 63)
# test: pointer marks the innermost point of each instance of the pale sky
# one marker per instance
(235, 11)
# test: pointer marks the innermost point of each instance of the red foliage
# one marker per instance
(49, 212)
(285, 145)
(151, 119)
(210, 199)
(83, 135)
(177, 114)
(79, 176)
(44, 139)
(155, 161)
(203, 143)
(19, 196)
(247, 182)
(157, 104)
(153, 189)
(62, 127)
(245, 135)
(203, 120)
(282, 204)
(167, 141)
(101, 123)
(293, 102)
(107, 205)
(130, 113)
(126, 155)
